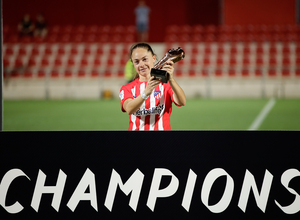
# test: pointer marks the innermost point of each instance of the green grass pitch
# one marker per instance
(198, 114)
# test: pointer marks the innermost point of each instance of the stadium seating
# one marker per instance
(91, 50)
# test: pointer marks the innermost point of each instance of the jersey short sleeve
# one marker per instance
(125, 93)
(170, 92)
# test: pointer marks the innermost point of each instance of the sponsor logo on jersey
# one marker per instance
(151, 111)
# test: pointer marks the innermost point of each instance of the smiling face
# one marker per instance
(143, 61)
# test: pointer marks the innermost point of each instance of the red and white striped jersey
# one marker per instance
(154, 114)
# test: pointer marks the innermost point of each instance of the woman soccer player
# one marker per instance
(148, 101)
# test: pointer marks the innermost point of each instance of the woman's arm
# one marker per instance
(178, 94)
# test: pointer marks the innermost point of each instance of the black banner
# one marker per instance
(150, 175)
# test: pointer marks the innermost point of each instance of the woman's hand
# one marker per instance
(152, 83)
(169, 67)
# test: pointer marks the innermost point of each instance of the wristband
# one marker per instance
(143, 95)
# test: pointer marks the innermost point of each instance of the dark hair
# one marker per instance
(140, 45)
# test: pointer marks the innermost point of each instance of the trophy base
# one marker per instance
(160, 74)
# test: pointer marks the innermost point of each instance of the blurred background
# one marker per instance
(77, 50)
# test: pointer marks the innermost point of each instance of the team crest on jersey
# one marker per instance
(157, 94)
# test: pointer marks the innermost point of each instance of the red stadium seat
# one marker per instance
(67, 29)
(103, 38)
(272, 72)
(61, 50)
(26, 39)
(259, 49)
(120, 73)
(246, 50)
(79, 29)
(232, 61)
(6, 62)
(297, 62)
(48, 50)
(74, 50)
(41, 74)
(259, 61)
(65, 38)
(245, 72)
(258, 72)
(9, 51)
(285, 73)
(207, 49)
(197, 29)
(81, 73)
(99, 50)
(210, 29)
(273, 50)
(27, 74)
(18, 62)
(56, 29)
(286, 61)
(84, 62)
(130, 29)
(224, 29)
(113, 50)
(107, 73)
(118, 29)
(97, 62)
(218, 72)
(77, 38)
(220, 61)
(68, 73)
(220, 49)
(206, 61)
(129, 38)
(35, 51)
(246, 61)
(54, 73)
(87, 51)
(45, 62)
(233, 50)
(193, 61)
(172, 29)
(272, 61)
(32, 62)
(22, 51)
(90, 38)
(185, 28)
(123, 61)
(195, 50)
(91, 29)
(52, 38)
(286, 50)
(171, 38)
(104, 29)
(58, 62)
(71, 62)
(110, 62)
(184, 38)
(192, 73)
(13, 38)
(231, 72)
(196, 38)
(95, 73)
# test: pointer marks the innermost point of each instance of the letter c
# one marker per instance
(4, 185)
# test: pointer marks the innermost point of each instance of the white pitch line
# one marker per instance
(262, 115)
